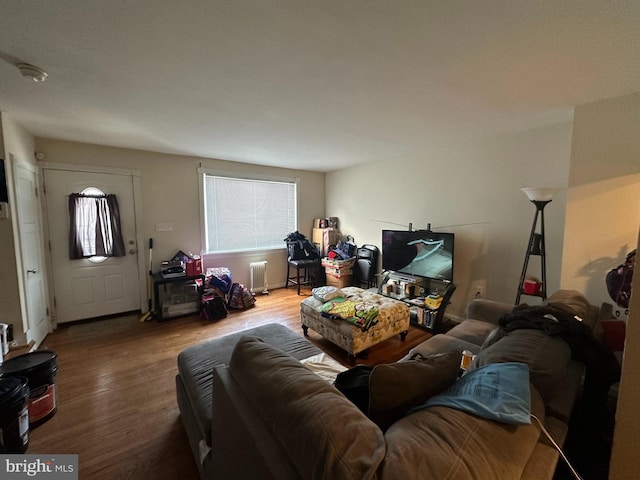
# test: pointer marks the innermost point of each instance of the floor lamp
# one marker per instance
(540, 197)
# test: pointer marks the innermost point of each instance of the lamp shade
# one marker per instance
(540, 194)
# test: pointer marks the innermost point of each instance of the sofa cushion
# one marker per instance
(446, 443)
(321, 432)
(487, 310)
(473, 331)
(546, 356)
(440, 343)
(397, 387)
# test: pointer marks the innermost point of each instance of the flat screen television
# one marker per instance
(420, 252)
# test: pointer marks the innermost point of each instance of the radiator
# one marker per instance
(259, 277)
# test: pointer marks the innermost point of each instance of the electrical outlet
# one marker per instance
(478, 291)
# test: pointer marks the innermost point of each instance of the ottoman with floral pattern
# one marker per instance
(349, 331)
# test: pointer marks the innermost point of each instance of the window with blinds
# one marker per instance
(243, 214)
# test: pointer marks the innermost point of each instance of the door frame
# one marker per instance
(137, 210)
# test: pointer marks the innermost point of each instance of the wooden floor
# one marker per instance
(116, 393)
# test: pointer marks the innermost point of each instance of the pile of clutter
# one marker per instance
(181, 265)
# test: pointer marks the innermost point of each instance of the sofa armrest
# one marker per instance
(304, 415)
(241, 443)
(452, 319)
(487, 310)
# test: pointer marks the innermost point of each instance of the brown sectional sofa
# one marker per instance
(270, 417)
(554, 374)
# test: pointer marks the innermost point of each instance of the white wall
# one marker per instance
(169, 186)
(603, 203)
(472, 189)
(18, 145)
(17, 141)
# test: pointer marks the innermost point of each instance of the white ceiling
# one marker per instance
(315, 85)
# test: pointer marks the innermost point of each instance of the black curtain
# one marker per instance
(94, 226)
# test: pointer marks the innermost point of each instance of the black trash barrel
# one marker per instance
(39, 368)
(14, 415)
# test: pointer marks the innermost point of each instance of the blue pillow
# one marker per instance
(498, 391)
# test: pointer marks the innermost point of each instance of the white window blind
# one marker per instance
(243, 214)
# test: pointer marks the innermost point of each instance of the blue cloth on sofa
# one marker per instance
(498, 391)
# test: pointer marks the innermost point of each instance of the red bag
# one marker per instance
(194, 266)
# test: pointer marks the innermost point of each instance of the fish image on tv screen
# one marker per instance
(422, 253)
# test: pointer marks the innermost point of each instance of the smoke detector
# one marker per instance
(31, 71)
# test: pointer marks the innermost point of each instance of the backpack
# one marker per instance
(213, 307)
(240, 297)
(354, 384)
(618, 281)
(300, 248)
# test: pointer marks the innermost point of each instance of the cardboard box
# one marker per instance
(328, 222)
(317, 235)
(336, 263)
(325, 238)
(337, 268)
(337, 272)
(343, 281)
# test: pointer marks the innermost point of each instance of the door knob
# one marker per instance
(132, 251)
(33, 270)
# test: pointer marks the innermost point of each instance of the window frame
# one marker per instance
(202, 175)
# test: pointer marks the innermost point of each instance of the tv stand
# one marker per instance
(414, 291)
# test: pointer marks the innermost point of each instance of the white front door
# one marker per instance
(87, 288)
(31, 257)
